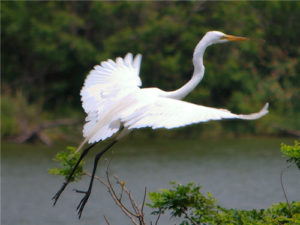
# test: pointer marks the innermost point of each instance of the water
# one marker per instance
(240, 173)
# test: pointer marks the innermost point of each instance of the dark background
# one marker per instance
(49, 47)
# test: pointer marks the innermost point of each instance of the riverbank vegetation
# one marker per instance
(187, 202)
(49, 47)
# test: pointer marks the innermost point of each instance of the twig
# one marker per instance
(132, 201)
(287, 131)
(158, 217)
(106, 220)
(134, 205)
(144, 200)
(96, 177)
(115, 198)
(121, 194)
(190, 218)
(113, 193)
(284, 192)
(137, 214)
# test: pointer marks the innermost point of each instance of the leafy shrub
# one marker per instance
(18, 114)
(68, 160)
(293, 152)
(188, 203)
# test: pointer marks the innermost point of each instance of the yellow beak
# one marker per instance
(234, 38)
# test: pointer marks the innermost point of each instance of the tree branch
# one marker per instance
(284, 192)
(137, 215)
(190, 218)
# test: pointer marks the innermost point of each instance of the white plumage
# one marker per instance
(103, 89)
(172, 113)
(112, 97)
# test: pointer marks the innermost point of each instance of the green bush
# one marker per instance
(188, 203)
(68, 160)
(193, 207)
(9, 126)
(18, 114)
(292, 152)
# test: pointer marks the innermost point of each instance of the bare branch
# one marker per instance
(144, 200)
(132, 201)
(137, 214)
(37, 131)
(113, 193)
(106, 220)
(158, 217)
(115, 198)
(96, 177)
(284, 192)
(121, 194)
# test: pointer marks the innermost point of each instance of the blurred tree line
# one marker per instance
(49, 47)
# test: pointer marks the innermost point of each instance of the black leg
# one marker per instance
(87, 193)
(67, 181)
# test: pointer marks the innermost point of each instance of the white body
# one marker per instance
(112, 98)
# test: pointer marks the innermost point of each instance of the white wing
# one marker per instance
(105, 85)
(171, 113)
(109, 81)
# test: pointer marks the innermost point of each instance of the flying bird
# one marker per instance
(114, 102)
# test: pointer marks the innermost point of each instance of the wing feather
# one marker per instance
(105, 85)
(110, 80)
(172, 113)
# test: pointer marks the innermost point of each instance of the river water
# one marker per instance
(240, 173)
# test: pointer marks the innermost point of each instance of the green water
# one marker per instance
(240, 173)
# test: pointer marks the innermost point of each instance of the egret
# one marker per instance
(113, 100)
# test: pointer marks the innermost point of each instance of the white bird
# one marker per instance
(113, 100)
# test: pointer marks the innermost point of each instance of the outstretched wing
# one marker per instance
(109, 81)
(171, 113)
(105, 85)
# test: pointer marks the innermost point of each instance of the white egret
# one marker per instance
(113, 100)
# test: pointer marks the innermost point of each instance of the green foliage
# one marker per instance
(68, 160)
(8, 125)
(183, 200)
(187, 202)
(292, 152)
(18, 114)
(49, 47)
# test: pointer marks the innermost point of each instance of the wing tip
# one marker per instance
(264, 110)
(257, 115)
(266, 106)
(137, 60)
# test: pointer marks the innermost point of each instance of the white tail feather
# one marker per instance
(109, 118)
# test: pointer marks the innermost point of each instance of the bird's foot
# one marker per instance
(56, 196)
(83, 201)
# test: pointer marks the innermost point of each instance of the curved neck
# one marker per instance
(197, 75)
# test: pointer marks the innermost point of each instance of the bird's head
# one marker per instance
(214, 37)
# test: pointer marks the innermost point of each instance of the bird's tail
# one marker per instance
(89, 138)
(104, 128)
(81, 145)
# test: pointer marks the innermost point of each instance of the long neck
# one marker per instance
(197, 75)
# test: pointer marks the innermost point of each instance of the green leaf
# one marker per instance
(68, 159)
(292, 152)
